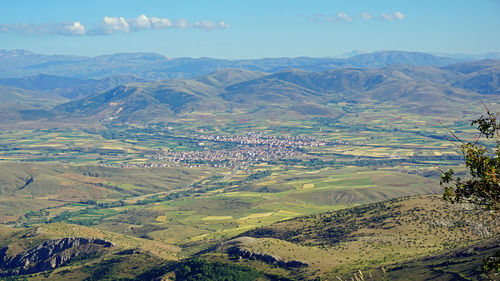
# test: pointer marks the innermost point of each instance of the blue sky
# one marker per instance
(249, 29)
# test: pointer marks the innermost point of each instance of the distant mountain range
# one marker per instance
(138, 87)
(20, 63)
(69, 87)
(422, 89)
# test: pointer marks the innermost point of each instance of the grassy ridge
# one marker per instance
(418, 233)
(369, 236)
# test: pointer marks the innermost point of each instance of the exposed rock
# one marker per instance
(234, 247)
(49, 255)
(28, 182)
(130, 252)
(32, 233)
(269, 259)
(244, 240)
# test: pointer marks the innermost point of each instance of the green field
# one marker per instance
(113, 182)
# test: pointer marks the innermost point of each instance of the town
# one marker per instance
(241, 151)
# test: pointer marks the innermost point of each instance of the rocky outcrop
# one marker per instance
(236, 247)
(269, 259)
(49, 255)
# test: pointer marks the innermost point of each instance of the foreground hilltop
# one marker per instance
(395, 234)
(387, 234)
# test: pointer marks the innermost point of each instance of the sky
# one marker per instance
(240, 29)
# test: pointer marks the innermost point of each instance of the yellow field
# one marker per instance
(161, 218)
(256, 216)
(216, 218)
(308, 185)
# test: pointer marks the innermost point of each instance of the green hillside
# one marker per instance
(403, 236)
(390, 234)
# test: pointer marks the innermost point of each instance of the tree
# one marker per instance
(203, 270)
(482, 187)
(482, 161)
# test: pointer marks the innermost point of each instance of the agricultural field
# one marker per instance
(168, 191)
(388, 134)
(184, 142)
(107, 176)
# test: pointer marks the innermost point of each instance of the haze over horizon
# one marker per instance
(235, 30)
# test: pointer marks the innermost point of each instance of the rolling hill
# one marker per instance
(393, 234)
(225, 77)
(148, 101)
(68, 87)
(120, 90)
(422, 89)
(76, 252)
(18, 105)
(481, 76)
(30, 187)
(12, 95)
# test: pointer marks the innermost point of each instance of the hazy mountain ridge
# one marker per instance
(303, 85)
(144, 101)
(479, 76)
(225, 77)
(297, 91)
(12, 95)
(412, 87)
(19, 63)
(69, 87)
(17, 59)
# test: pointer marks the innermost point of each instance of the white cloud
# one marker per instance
(160, 23)
(399, 15)
(209, 25)
(223, 25)
(366, 16)
(75, 28)
(181, 23)
(109, 26)
(393, 16)
(343, 17)
(339, 17)
(205, 24)
(141, 22)
(62, 28)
